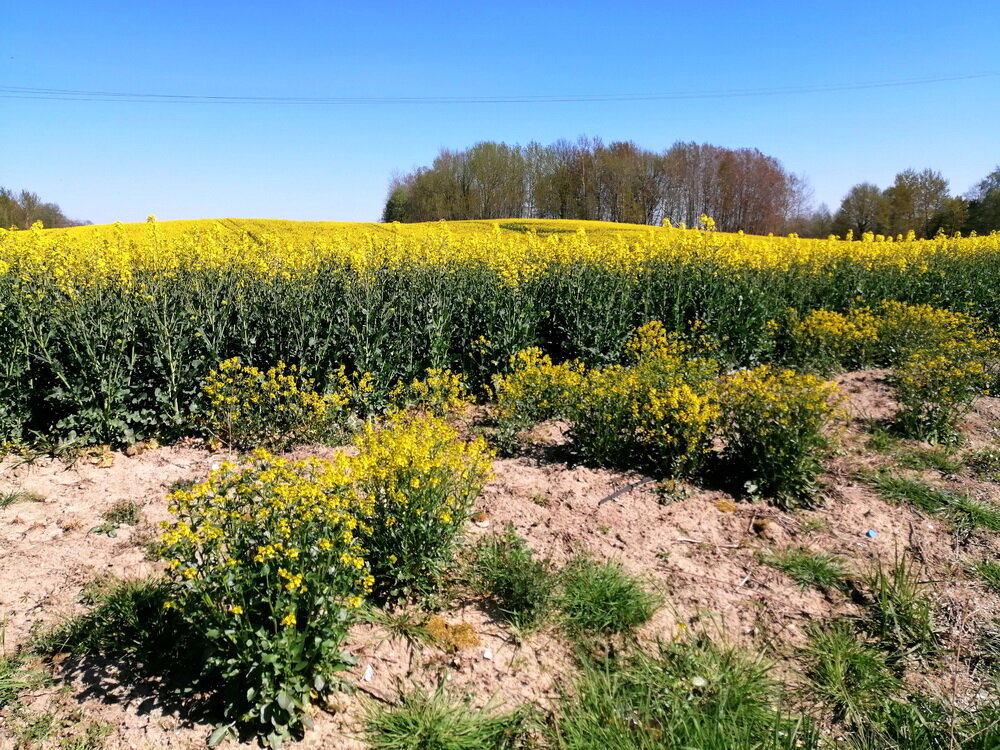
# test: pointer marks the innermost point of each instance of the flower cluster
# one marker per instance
(440, 392)
(775, 424)
(248, 407)
(419, 483)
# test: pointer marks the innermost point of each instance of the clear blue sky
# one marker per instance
(108, 161)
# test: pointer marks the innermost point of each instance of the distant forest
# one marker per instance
(19, 210)
(741, 189)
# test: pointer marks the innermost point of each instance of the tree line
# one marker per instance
(21, 209)
(919, 202)
(741, 189)
(587, 179)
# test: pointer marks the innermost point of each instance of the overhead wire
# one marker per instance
(54, 94)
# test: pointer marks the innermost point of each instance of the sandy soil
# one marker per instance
(700, 550)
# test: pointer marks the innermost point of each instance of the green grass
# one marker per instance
(898, 614)
(847, 674)
(808, 568)
(985, 464)
(921, 722)
(437, 722)
(600, 598)
(989, 572)
(18, 496)
(15, 678)
(127, 619)
(965, 512)
(521, 587)
(689, 694)
(939, 459)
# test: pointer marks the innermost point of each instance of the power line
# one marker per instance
(22, 92)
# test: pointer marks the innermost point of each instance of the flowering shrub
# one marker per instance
(269, 565)
(440, 392)
(934, 389)
(419, 483)
(775, 424)
(824, 341)
(535, 390)
(248, 407)
(904, 329)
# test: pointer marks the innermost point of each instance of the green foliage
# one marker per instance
(923, 722)
(938, 459)
(249, 408)
(440, 392)
(808, 568)
(688, 694)
(850, 676)
(436, 722)
(420, 482)
(898, 614)
(776, 427)
(600, 598)
(521, 587)
(15, 678)
(10, 497)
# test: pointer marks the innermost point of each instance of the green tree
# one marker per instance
(984, 204)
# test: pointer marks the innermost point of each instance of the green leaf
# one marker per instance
(219, 734)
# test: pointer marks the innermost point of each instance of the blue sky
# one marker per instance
(116, 160)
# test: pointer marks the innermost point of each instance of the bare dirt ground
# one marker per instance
(696, 547)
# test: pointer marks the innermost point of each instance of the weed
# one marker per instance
(689, 694)
(882, 441)
(520, 586)
(846, 673)
(989, 572)
(808, 568)
(18, 496)
(601, 598)
(127, 619)
(898, 613)
(124, 512)
(436, 722)
(809, 525)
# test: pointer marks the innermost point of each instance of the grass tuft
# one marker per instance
(689, 694)
(808, 568)
(521, 587)
(847, 674)
(965, 512)
(898, 614)
(10, 497)
(600, 598)
(989, 572)
(436, 722)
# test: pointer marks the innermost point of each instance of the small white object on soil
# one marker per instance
(369, 673)
(487, 654)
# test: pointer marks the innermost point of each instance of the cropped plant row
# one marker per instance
(108, 334)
